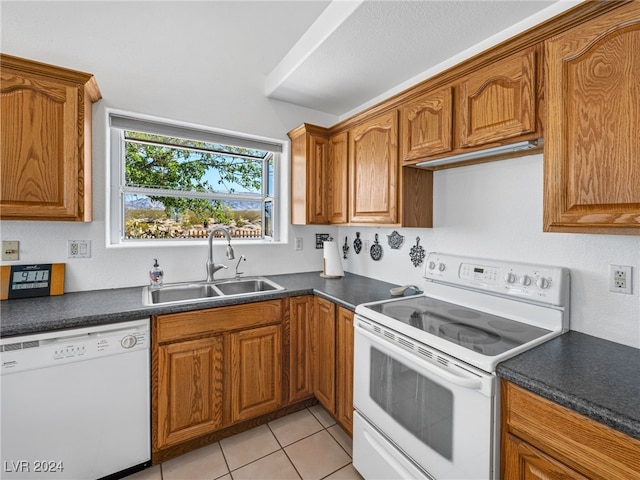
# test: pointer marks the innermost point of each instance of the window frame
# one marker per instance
(118, 121)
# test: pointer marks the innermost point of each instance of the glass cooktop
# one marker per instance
(478, 331)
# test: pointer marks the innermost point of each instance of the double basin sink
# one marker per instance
(195, 291)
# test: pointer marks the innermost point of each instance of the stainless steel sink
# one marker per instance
(247, 285)
(181, 293)
(198, 291)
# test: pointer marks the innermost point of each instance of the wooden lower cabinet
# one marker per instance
(527, 462)
(255, 358)
(214, 368)
(300, 350)
(543, 440)
(189, 402)
(344, 368)
(333, 360)
(221, 370)
(324, 353)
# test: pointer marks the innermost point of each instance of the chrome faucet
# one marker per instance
(242, 257)
(212, 268)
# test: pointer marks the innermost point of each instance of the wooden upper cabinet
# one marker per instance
(337, 178)
(498, 101)
(592, 139)
(309, 151)
(427, 125)
(45, 163)
(374, 170)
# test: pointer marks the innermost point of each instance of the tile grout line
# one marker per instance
(282, 448)
(224, 457)
(284, 451)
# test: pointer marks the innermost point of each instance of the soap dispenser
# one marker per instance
(156, 274)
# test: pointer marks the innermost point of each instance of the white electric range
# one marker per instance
(425, 391)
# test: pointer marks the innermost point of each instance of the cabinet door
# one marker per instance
(324, 353)
(300, 359)
(309, 151)
(524, 462)
(45, 165)
(426, 125)
(592, 141)
(255, 358)
(189, 402)
(499, 101)
(344, 369)
(588, 447)
(374, 170)
(338, 178)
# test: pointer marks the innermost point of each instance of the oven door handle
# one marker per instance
(466, 382)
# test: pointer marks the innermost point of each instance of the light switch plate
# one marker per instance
(10, 250)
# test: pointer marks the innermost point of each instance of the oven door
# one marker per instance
(438, 412)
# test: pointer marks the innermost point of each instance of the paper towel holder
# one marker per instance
(331, 264)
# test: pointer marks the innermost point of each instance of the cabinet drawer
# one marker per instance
(178, 326)
(587, 446)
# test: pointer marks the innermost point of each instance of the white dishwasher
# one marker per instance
(75, 403)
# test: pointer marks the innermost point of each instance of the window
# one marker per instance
(176, 182)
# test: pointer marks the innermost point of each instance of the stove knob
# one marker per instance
(542, 283)
(129, 341)
(525, 280)
(509, 278)
(432, 265)
(442, 267)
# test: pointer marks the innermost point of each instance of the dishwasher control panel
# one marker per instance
(29, 352)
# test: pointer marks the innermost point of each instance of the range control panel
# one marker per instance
(539, 283)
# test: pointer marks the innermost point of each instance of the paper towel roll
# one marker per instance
(331, 263)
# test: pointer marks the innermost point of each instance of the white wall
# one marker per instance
(492, 210)
(143, 61)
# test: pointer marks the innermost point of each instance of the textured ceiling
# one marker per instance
(358, 50)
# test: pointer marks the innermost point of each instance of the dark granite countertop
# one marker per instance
(84, 309)
(594, 377)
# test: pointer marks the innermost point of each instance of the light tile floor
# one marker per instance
(306, 445)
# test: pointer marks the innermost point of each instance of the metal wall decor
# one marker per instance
(395, 240)
(357, 244)
(345, 248)
(376, 249)
(417, 253)
(321, 237)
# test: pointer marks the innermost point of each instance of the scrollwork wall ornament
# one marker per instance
(357, 244)
(395, 240)
(417, 253)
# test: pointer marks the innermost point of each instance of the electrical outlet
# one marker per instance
(298, 243)
(78, 248)
(620, 279)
